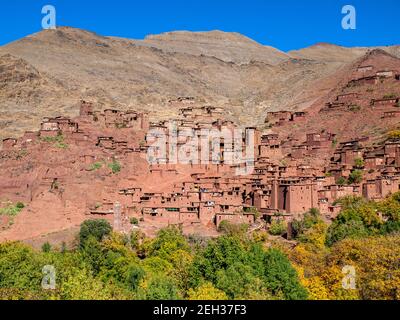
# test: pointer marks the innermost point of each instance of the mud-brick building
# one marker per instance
(294, 195)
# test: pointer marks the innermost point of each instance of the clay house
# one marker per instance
(333, 211)
(112, 118)
(294, 195)
(278, 117)
(385, 73)
(384, 102)
(49, 128)
(391, 114)
(105, 142)
(29, 137)
(380, 188)
(86, 108)
(333, 105)
(298, 115)
(391, 147)
(244, 218)
(334, 192)
(347, 97)
(9, 143)
(66, 125)
(323, 139)
(370, 80)
(49, 125)
(373, 162)
(364, 69)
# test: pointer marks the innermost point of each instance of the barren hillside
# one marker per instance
(46, 73)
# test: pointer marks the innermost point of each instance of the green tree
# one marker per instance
(46, 247)
(281, 277)
(356, 176)
(278, 228)
(98, 229)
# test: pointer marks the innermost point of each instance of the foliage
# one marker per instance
(115, 166)
(278, 228)
(359, 163)
(12, 209)
(236, 265)
(134, 221)
(206, 291)
(394, 134)
(244, 270)
(389, 96)
(354, 108)
(97, 229)
(58, 141)
(341, 181)
(355, 176)
(96, 166)
(232, 228)
(46, 247)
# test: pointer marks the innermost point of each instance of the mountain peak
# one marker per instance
(213, 35)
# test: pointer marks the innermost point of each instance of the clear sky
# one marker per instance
(284, 24)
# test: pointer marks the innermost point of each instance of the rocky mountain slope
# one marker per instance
(46, 73)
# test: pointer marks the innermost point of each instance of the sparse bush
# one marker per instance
(19, 205)
(394, 134)
(115, 166)
(46, 247)
(389, 96)
(341, 181)
(278, 228)
(58, 141)
(134, 221)
(95, 166)
(232, 228)
(358, 162)
(11, 209)
(355, 176)
(354, 108)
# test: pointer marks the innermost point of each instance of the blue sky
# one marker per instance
(284, 24)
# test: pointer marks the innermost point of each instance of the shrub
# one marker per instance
(134, 221)
(278, 228)
(115, 166)
(46, 247)
(95, 166)
(394, 134)
(57, 141)
(356, 176)
(341, 181)
(135, 275)
(358, 162)
(19, 205)
(96, 228)
(12, 210)
(309, 219)
(232, 228)
(389, 96)
(281, 277)
(354, 108)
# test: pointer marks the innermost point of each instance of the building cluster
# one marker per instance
(288, 177)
